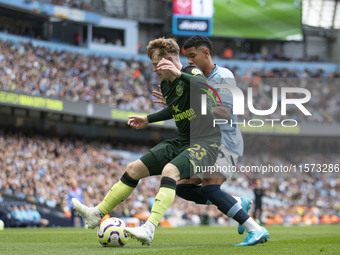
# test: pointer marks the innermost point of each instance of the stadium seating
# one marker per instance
(127, 83)
(36, 169)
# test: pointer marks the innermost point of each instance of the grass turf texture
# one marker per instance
(247, 19)
(188, 240)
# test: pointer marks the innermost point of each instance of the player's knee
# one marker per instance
(209, 190)
(171, 171)
(132, 170)
(213, 181)
(137, 170)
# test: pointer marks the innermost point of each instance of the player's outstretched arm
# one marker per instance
(138, 122)
(164, 114)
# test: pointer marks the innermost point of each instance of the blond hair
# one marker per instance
(162, 47)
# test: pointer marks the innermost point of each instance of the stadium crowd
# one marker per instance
(38, 168)
(127, 83)
(40, 71)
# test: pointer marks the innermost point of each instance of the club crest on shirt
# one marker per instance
(196, 71)
(179, 90)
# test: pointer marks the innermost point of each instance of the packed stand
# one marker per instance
(303, 200)
(121, 83)
(39, 169)
(127, 84)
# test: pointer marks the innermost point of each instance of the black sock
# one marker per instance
(191, 192)
(225, 203)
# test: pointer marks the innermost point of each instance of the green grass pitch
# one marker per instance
(277, 19)
(187, 240)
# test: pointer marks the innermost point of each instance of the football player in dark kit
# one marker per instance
(196, 145)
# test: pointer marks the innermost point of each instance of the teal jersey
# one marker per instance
(231, 135)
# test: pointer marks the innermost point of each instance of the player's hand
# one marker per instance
(158, 95)
(167, 65)
(138, 122)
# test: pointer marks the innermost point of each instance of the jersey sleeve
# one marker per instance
(192, 74)
(164, 114)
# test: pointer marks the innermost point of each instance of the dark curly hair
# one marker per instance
(197, 41)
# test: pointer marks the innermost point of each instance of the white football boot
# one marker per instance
(91, 215)
(142, 234)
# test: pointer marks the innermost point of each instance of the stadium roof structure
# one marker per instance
(321, 13)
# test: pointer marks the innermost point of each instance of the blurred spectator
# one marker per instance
(36, 217)
(77, 38)
(258, 193)
(18, 219)
(25, 215)
(228, 53)
(75, 192)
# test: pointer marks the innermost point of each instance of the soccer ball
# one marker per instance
(110, 233)
(2, 225)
